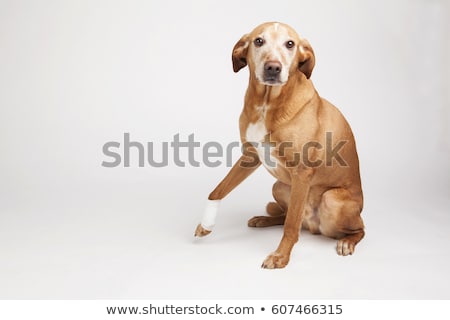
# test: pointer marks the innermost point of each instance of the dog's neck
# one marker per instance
(266, 93)
(276, 101)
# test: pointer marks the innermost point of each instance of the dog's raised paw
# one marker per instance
(275, 261)
(201, 232)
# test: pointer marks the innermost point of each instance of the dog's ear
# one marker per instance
(306, 58)
(239, 55)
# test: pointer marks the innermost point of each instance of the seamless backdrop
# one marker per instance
(75, 75)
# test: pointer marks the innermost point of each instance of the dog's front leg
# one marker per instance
(238, 173)
(300, 179)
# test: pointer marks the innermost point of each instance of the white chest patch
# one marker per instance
(256, 134)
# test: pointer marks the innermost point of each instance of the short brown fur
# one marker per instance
(324, 199)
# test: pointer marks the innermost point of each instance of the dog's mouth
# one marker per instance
(272, 81)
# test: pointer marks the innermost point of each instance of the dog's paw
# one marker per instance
(201, 232)
(345, 247)
(265, 221)
(275, 261)
(258, 222)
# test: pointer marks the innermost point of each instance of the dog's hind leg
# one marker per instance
(276, 210)
(340, 218)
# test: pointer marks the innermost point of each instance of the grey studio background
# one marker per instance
(77, 74)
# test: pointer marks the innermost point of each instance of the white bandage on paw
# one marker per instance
(209, 217)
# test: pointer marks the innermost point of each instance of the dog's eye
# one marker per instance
(258, 42)
(290, 44)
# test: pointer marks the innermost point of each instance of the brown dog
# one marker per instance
(303, 141)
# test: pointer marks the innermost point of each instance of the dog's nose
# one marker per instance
(272, 69)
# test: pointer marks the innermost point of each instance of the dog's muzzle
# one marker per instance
(272, 70)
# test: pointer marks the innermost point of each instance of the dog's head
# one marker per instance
(273, 51)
